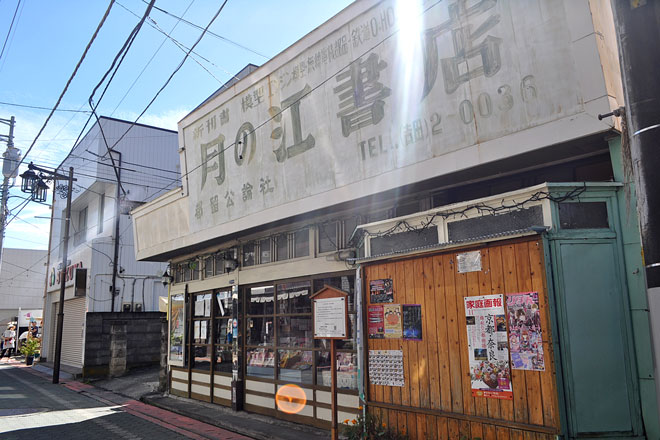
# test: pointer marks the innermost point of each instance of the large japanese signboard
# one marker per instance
(392, 88)
(487, 347)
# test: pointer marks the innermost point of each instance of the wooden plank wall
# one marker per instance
(436, 401)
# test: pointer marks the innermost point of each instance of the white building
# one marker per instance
(146, 160)
(21, 282)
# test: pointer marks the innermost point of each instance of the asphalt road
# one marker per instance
(32, 408)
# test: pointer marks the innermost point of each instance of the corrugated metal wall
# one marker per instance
(72, 332)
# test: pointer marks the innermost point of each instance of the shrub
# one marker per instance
(370, 427)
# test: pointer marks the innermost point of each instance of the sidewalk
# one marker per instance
(138, 396)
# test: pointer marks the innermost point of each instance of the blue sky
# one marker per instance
(47, 39)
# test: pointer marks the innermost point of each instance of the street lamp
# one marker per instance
(36, 186)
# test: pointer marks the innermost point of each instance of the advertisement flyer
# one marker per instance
(386, 368)
(376, 322)
(487, 346)
(525, 338)
(393, 321)
(412, 322)
(380, 291)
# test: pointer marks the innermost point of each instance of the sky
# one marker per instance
(43, 41)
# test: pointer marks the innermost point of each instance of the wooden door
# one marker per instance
(436, 400)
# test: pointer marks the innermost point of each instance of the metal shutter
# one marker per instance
(72, 332)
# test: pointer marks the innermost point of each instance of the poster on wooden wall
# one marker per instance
(380, 291)
(488, 347)
(393, 321)
(386, 368)
(525, 339)
(412, 322)
(376, 322)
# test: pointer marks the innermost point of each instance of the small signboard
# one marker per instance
(330, 314)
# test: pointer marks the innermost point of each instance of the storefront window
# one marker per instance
(295, 366)
(294, 298)
(177, 330)
(295, 331)
(260, 331)
(260, 300)
(344, 283)
(202, 357)
(223, 359)
(202, 306)
(346, 370)
(261, 362)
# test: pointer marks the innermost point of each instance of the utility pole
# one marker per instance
(12, 157)
(638, 34)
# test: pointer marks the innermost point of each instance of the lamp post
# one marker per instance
(35, 184)
(10, 162)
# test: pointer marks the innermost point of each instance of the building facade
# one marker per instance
(145, 161)
(414, 157)
(21, 282)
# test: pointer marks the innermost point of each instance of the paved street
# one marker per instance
(33, 408)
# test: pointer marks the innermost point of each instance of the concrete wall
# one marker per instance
(116, 342)
(22, 276)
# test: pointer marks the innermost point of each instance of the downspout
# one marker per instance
(115, 260)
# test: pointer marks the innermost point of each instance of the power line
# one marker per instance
(212, 33)
(44, 108)
(10, 28)
(173, 73)
(75, 70)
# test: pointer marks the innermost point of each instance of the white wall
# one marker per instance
(22, 277)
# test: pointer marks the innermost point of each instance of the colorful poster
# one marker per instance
(525, 338)
(177, 329)
(412, 322)
(380, 291)
(386, 368)
(393, 321)
(376, 322)
(487, 346)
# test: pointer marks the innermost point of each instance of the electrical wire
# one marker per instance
(44, 108)
(11, 26)
(75, 71)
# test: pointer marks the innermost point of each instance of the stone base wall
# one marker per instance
(118, 341)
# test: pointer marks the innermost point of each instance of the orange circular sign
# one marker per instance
(291, 399)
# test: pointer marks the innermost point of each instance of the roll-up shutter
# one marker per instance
(72, 332)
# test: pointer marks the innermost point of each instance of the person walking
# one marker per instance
(9, 338)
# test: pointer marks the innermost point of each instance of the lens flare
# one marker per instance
(291, 399)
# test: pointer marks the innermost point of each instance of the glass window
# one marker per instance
(346, 370)
(223, 333)
(301, 243)
(583, 215)
(295, 366)
(344, 283)
(260, 331)
(202, 305)
(193, 266)
(260, 300)
(264, 251)
(201, 357)
(282, 244)
(349, 227)
(208, 267)
(328, 237)
(248, 254)
(295, 331)
(224, 304)
(260, 363)
(202, 331)
(177, 329)
(294, 298)
(223, 359)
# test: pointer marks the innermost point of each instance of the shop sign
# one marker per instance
(487, 347)
(341, 110)
(56, 275)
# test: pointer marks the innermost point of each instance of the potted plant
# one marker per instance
(29, 349)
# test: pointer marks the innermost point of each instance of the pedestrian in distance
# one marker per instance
(9, 338)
